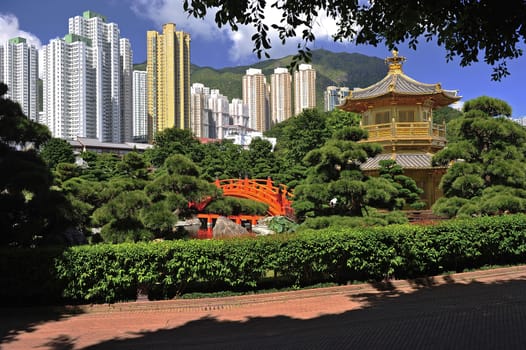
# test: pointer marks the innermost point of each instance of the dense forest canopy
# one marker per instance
(52, 196)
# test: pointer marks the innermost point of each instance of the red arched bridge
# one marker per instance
(278, 198)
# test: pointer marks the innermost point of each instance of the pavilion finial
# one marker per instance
(395, 62)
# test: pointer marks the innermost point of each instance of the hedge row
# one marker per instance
(109, 273)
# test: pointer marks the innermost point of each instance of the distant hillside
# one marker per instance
(338, 69)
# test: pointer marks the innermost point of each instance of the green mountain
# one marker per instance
(338, 69)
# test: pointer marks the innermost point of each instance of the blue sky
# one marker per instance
(41, 21)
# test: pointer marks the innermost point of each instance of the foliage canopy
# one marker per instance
(57, 151)
(31, 211)
(487, 175)
(466, 29)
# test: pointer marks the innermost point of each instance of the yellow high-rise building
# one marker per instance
(168, 79)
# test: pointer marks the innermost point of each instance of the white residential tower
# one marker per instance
(19, 71)
(255, 95)
(280, 96)
(140, 118)
(304, 88)
(87, 79)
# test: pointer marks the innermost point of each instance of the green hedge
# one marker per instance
(109, 273)
(28, 276)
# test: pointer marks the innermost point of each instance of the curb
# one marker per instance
(218, 303)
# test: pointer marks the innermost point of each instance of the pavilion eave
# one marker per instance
(436, 100)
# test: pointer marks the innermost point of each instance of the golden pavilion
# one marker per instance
(397, 112)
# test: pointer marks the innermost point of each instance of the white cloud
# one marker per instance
(458, 105)
(239, 43)
(9, 29)
(171, 11)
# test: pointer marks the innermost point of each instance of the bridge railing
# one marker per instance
(277, 197)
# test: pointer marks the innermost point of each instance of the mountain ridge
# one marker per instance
(332, 68)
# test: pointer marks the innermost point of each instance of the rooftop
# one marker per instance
(400, 83)
(83, 142)
(396, 83)
(405, 160)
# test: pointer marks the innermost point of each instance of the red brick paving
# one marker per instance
(481, 309)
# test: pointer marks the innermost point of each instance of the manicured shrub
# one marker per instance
(28, 277)
(109, 273)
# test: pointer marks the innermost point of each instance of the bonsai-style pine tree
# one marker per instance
(487, 175)
(31, 213)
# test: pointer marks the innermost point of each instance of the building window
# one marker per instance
(382, 117)
(406, 116)
(426, 116)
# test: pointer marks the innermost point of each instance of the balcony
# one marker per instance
(421, 136)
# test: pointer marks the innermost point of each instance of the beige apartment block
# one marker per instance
(168, 79)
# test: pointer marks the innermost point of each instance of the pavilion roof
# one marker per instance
(397, 84)
(401, 84)
(405, 160)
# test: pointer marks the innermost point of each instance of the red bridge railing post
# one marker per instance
(269, 182)
(209, 228)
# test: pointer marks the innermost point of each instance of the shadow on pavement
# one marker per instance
(448, 316)
(14, 321)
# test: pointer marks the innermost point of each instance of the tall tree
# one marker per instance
(16, 129)
(57, 151)
(174, 141)
(338, 119)
(467, 29)
(301, 134)
(120, 218)
(407, 192)
(133, 165)
(335, 185)
(488, 159)
(100, 167)
(445, 115)
(31, 212)
(223, 160)
(493, 107)
(261, 159)
(170, 193)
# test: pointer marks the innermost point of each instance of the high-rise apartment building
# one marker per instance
(84, 88)
(334, 96)
(199, 110)
(140, 119)
(238, 113)
(280, 95)
(255, 95)
(210, 112)
(304, 88)
(19, 71)
(168, 78)
(69, 88)
(126, 58)
(238, 130)
(220, 115)
(105, 40)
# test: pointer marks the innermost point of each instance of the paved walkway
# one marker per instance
(475, 310)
